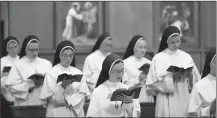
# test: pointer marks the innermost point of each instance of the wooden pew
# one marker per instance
(29, 111)
(147, 110)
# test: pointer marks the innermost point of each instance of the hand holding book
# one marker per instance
(143, 75)
(37, 78)
(133, 91)
(68, 79)
(125, 98)
(180, 72)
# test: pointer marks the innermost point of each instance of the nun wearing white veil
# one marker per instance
(203, 97)
(63, 99)
(22, 87)
(172, 89)
(109, 80)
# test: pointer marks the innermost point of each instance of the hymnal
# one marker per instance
(145, 68)
(127, 92)
(73, 78)
(6, 69)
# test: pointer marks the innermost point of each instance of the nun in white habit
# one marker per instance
(63, 100)
(93, 62)
(110, 80)
(203, 96)
(22, 87)
(133, 60)
(9, 58)
(172, 89)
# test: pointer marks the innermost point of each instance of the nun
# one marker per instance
(93, 62)
(134, 59)
(63, 101)
(203, 95)
(109, 80)
(22, 86)
(172, 89)
(9, 58)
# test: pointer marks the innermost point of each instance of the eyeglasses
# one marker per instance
(118, 71)
(67, 56)
(33, 50)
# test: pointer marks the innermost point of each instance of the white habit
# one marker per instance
(52, 94)
(161, 83)
(131, 76)
(92, 68)
(204, 92)
(101, 106)
(7, 61)
(19, 83)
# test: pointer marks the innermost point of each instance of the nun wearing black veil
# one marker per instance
(22, 86)
(203, 96)
(171, 89)
(109, 80)
(93, 62)
(62, 99)
(133, 60)
(9, 57)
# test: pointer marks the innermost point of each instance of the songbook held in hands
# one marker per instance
(68, 77)
(179, 69)
(36, 76)
(145, 68)
(128, 92)
(6, 69)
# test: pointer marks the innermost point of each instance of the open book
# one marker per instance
(127, 92)
(6, 69)
(180, 69)
(145, 68)
(69, 77)
(36, 76)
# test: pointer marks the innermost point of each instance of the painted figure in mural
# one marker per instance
(73, 22)
(89, 18)
(172, 16)
(80, 22)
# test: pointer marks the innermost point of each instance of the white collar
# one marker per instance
(137, 58)
(171, 52)
(211, 77)
(31, 60)
(111, 84)
(12, 58)
(102, 53)
(64, 68)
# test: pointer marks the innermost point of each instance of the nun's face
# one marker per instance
(12, 49)
(117, 72)
(66, 57)
(106, 46)
(140, 49)
(32, 50)
(174, 43)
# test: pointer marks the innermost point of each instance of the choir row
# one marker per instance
(171, 79)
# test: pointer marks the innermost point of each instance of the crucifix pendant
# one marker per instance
(116, 106)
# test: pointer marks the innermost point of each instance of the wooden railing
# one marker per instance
(147, 110)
